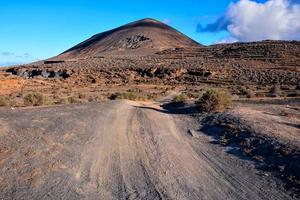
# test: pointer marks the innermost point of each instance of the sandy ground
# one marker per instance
(277, 121)
(119, 150)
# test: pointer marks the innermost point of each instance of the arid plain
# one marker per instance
(144, 112)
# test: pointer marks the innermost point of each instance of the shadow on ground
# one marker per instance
(269, 155)
(174, 108)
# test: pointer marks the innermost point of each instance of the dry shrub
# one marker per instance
(81, 96)
(4, 101)
(275, 91)
(181, 98)
(260, 95)
(73, 100)
(35, 99)
(214, 100)
(126, 95)
(247, 92)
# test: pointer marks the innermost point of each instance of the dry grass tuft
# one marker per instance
(127, 95)
(181, 98)
(35, 99)
(214, 100)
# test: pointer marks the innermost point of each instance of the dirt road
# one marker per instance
(119, 150)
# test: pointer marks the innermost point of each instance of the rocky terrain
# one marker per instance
(148, 52)
(121, 150)
(82, 145)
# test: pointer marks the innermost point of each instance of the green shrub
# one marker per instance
(34, 99)
(181, 98)
(214, 100)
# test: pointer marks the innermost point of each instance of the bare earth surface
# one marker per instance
(119, 150)
(276, 121)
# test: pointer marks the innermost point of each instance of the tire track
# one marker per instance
(137, 151)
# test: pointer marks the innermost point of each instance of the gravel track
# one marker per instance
(119, 150)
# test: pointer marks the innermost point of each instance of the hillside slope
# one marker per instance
(142, 37)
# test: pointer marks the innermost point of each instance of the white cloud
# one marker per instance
(275, 19)
(248, 20)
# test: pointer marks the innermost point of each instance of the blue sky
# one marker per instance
(38, 29)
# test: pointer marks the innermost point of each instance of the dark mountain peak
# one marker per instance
(142, 37)
(150, 20)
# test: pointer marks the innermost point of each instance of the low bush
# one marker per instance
(126, 95)
(275, 91)
(34, 99)
(130, 96)
(59, 101)
(283, 94)
(81, 96)
(247, 92)
(181, 98)
(260, 95)
(250, 94)
(73, 99)
(214, 100)
(4, 101)
(114, 96)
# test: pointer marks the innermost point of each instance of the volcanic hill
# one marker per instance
(149, 52)
(142, 37)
